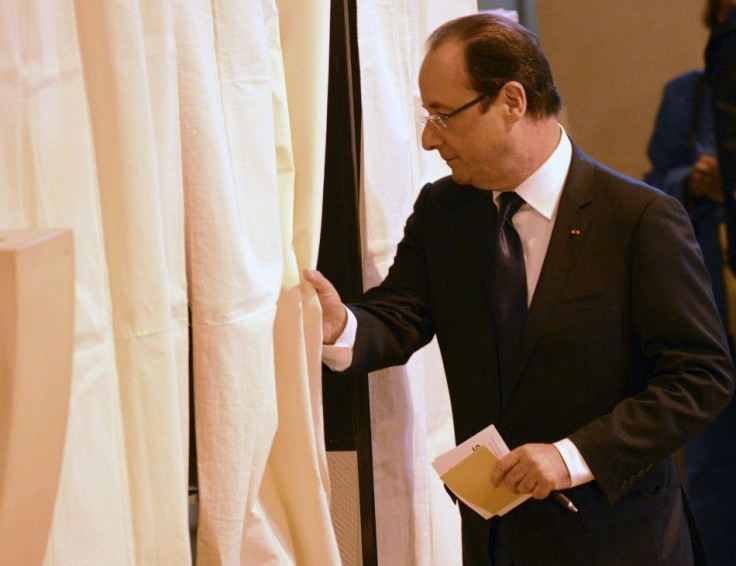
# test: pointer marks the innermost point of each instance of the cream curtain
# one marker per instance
(182, 140)
(50, 179)
(410, 415)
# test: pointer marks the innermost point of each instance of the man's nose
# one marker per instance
(431, 137)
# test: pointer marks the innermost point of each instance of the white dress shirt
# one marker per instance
(534, 222)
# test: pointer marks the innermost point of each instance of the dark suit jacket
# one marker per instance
(623, 352)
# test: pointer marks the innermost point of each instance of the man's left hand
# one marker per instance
(537, 469)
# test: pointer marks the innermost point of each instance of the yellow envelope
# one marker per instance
(471, 480)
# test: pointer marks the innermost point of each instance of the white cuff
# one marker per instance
(579, 471)
(339, 356)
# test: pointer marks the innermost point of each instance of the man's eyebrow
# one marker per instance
(436, 106)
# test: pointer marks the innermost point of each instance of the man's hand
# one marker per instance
(533, 468)
(334, 316)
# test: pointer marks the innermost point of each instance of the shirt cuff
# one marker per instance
(579, 471)
(339, 356)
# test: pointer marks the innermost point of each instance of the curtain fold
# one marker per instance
(267, 503)
(49, 179)
(113, 40)
(234, 252)
(296, 495)
(410, 414)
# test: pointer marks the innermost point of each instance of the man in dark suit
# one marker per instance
(621, 357)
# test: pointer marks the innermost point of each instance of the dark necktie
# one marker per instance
(508, 292)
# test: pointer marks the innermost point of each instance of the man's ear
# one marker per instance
(513, 97)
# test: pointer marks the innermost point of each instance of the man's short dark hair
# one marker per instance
(498, 50)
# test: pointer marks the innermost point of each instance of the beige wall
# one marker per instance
(611, 59)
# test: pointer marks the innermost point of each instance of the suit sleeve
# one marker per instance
(394, 318)
(689, 373)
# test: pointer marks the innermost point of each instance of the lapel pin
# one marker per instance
(574, 232)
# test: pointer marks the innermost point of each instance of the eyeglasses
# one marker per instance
(439, 121)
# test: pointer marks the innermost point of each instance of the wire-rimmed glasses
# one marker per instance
(439, 120)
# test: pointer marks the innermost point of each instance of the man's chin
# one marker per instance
(460, 177)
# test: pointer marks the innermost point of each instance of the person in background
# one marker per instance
(684, 155)
(685, 165)
(613, 355)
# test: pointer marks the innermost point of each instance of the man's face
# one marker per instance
(476, 145)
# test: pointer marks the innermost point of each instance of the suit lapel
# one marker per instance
(568, 237)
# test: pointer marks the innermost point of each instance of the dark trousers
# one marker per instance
(497, 549)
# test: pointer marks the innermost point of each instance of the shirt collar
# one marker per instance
(542, 189)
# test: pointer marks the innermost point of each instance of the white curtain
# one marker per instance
(410, 414)
(182, 140)
(50, 179)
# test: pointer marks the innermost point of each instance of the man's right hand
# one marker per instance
(334, 315)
